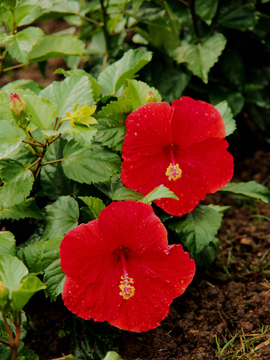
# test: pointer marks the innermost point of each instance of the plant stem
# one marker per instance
(5, 343)
(52, 162)
(194, 18)
(34, 144)
(14, 67)
(51, 141)
(55, 123)
(104, 28)
(17, 337)
(8, 330)
(2, 61)
(34, 163)
(89, 20)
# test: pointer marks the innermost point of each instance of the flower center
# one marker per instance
(126, 287)
(173, 171)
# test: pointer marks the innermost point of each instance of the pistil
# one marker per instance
(173, 171)
(126, 287)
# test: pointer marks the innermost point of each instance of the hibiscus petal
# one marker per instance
(158, 279)
(82, 251)
(99, 300)
(195, 121)
(132, 225)
(212, 159)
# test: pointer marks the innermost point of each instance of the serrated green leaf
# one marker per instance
(5, 113)
(10, 138)
(20, 45)
(201, 57)
(95, 205)
(12, 270)
(31, 256)
(56, 46)
(172, 84)
(237, 14)
(86, 166)
(54, 279)
(80, 133)
(66, 94)
(250, 189)
(115, 190)
(163, 39)
(28, 288)
(152, 15)
(41, 112)
(54, 275)
(23, 84)
(159, 192)
(235, 100)
(233, 67)
(208, 255)
(136, 92)
(18, 182)
(81, 72)
(7, 243)
(226, 113)
(59, 10)
(24, 14)
(25, 209)
(53, 181)
(114, 76)
(111, 123)
(27, 354)
(206, 9)
(197, 229)
(60, 217)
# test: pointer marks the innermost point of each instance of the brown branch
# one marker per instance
(5, 343)
(9, 331)
(34, 163)
(51, 141)
(34, 144)
(52, 162)
(14, 67)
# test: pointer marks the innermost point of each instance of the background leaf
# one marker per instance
(18, 182)
(226, 113)
(159, 192)
(28, 288)
(86, 166)
(60, 217)
(201, 57)
(115, 75)
(136, 92)
(250, 189)
(7, 243)
(42, 112)
(95, 205)
(10, 138)
(197, 229)
(56, 46)
(25, 209)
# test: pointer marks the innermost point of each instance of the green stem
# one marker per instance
(55, 123)
(104, 28)
(34, 144)
(5, 343)
(14, 67)
(90, 20)
(2, 61)
(52, 162)
(34, 163)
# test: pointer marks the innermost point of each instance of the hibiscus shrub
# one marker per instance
(98, 168)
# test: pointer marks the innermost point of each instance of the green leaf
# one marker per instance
(23, 84)
(5, 113)
(56, 46)
(86, 166)
(226, 113)
(25, 209)
(235, 100)
(201, 57)
(25, 14)
(112, 355)
(111, 123)
(29, 287)
(80, 72)
(114, 76)
(152, 16)
(172, 84)
(31, 255)
(60, 217)
(20, 45)
(60, 9)
(18, 182)
(12, 270)
(136, 92)
(206, 9)
(208, 255)
(7, 243)
(159, 192)
(115, 190)
(80, 133)
(197, 229)
(250, 189)
(27, 354)
(54, 275)
(42, 112)
(66, 94)
(237, 14)
(10, 138)
(95, 205)
(233, 67)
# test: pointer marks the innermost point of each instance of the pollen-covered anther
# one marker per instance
(173, 172)
(126, 287)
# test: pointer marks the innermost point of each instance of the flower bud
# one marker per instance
(150, 97)
(18, 109)
(82, 116)
(3, 296)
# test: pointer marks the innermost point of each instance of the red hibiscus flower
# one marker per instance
(120, 268)
(180, 146)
